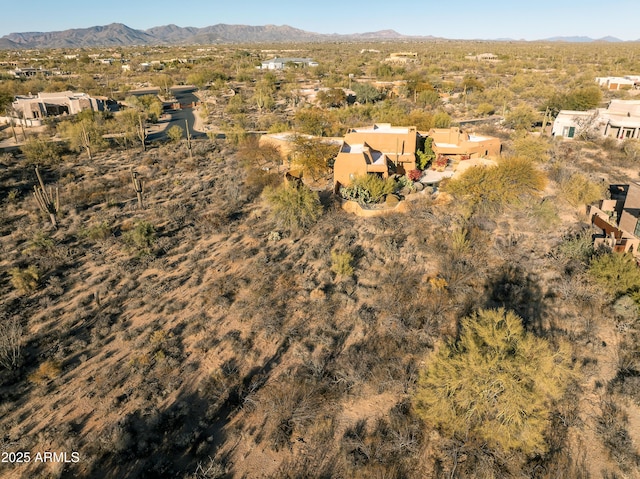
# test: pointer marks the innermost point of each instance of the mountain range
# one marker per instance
(118, 34)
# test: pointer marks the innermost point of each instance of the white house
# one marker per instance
(281, 63)
(621, 120)
(617, 83)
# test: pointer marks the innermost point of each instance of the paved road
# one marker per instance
(184, 95)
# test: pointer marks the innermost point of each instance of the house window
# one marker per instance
(569, 131)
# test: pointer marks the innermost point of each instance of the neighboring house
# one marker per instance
(402, 57)
(618, 83)
(282, 63)
(381, 149)
(456, 144)
(27, 72)
(617, 219)
(54, 104)
(621, 120)
(486, 57)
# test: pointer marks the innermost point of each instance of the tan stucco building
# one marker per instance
(380, 149)
(54, 104)
(456, 144)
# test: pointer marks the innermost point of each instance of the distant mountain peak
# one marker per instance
(121, 34)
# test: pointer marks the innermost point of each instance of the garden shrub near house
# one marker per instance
(491, 188)
(368, 189)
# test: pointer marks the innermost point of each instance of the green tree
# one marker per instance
(441, 120)
(492, 188)
(522, 117)
(41, 150)
(313, 121)
(495, 385)
(313, 156)
(294, 207)
(367, 93)
(149, 105)
(428, 98)
(175, 133)
(471, 83)
(580, 99)
(84, 132)
(332, 98)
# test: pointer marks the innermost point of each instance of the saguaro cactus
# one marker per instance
(138, 187)
(186, 124)
(46, 201)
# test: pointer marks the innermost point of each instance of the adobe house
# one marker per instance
(380, 149)
(54, 104)
(456, 144)
(617, 219)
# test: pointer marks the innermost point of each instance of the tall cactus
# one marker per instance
(186, 124)
(46, 201)
(138, 187)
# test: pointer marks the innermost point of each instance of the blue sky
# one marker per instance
(464, 19)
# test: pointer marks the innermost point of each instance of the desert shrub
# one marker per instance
(578, 248)
(175, 134)
(533, 148)
(342, 263)
(48, 370)
(97, 232)
(40, 243)
(41, 151)
(545, 212)
(522, 117)
(368, 189)
(460, 243)
(612, 427)
(10, 342)
(492, 188)
(442, 120)
(485, 109)
(293, 207)
(141, 238)
(25, 280)
(494, 385)
(579, 190)
(618, 273)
